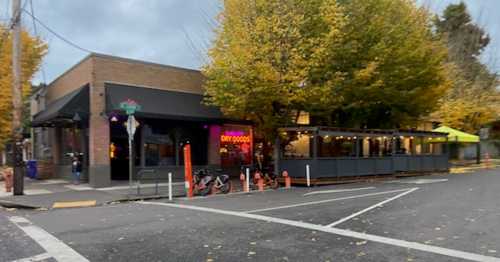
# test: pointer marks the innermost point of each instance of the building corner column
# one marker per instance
(99, 138)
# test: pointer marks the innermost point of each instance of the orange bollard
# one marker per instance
(260, 181)
(8, 176)
(487, 158)
(288, 180)
(188, 171)
(243, 183)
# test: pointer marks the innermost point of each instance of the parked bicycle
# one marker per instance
(269, 178)
(205, 182)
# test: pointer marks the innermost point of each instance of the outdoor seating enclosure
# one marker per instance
(335, 152)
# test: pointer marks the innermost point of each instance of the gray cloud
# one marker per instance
(175, 32)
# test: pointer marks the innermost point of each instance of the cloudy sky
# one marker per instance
(174, 32)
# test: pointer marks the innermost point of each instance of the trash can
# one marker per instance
(31, 169)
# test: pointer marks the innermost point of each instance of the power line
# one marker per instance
(56, 34)
(36, 34)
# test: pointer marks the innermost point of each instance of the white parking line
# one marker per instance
(342, 232)
(420, 181)
(370, 208)
(326, 201)
(337, 191)
(54, 247)
(38, 257)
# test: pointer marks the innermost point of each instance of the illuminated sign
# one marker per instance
(235, 139)
(234, 133)
(112, 151)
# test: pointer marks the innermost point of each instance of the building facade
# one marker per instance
(80, 113)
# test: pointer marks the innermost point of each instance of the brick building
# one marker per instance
(79, 112)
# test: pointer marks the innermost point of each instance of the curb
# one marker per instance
(9, 204)
(137, 198)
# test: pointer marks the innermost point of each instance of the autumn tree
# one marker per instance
(33, 49)
(393, 68)
(262, 58)
(349, 63)
(473, 100)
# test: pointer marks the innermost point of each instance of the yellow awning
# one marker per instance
(457, 135)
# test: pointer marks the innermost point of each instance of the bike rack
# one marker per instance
(140, 177)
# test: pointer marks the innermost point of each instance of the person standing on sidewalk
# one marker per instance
(76, 169)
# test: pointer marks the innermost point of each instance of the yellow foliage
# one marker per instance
(33, 50)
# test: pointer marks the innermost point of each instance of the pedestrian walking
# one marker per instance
(76, 169)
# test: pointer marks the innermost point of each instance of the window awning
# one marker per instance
(157, 103)
(62, 110)
(457, 136)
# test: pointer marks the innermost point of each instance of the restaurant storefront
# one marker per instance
(81, 114)
(334, 152)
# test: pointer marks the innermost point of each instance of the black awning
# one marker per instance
(64, 109)
(157, 103)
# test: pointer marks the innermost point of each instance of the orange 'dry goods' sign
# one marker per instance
(235, 139)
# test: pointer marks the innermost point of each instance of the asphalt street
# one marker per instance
(432, 218)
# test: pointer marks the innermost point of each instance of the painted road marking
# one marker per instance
(337, 191)
(342, 232)
(38, 257)
(325, 201)
(370, 208)
(419, 181)
(85, 203)
(37, 191)
(55, 247)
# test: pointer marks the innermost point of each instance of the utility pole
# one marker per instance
(17, 100)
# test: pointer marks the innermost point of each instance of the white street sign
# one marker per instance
(132, 125)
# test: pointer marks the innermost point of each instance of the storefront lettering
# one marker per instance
(235, 139)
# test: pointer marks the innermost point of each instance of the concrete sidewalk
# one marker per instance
(54, 192)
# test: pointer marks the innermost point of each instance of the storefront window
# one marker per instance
(297, 145)
(404, 145)
(235, 145)
(336, 146)
(377, 146)
(417, 146)
(159, 147)
(152, 156)
(70, 138)
(426, 145)
(438, 148)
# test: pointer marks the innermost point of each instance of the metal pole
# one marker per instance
(308, 176)
(247, 178)
(170, 186)
(478, 153)
(130, 161)
(17, 100)
(130, 154)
